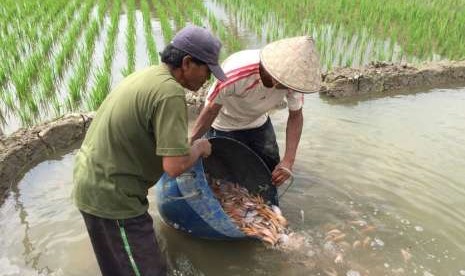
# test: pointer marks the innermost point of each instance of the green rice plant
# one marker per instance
(24, 77)
(175, 9)
(76, 85)
(21, 83)
(164, 22)
(151, 46)
(3, 71)
(232, 43)
(42, 93)
(56, 106)
(112, 33)
(196, 12)
(130, 39)
(8, 100)
(2, 122)
(100, 90)
(34, 26)
(102, 9)
(47, 83)
(196, 18)
(102, 76)
(421, 28)
(214, 25)
(25, 116)
(33, 108)
(52, 70)
(69, 41)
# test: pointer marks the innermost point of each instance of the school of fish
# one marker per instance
(250, 212)
(258, 220)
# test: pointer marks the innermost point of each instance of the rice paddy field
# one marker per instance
(61, 56)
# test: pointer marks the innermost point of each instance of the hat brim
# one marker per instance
(217, 71)
(293, 62)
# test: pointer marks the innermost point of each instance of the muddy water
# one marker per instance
(395, 163)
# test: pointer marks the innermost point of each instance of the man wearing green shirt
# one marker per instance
(139, 132)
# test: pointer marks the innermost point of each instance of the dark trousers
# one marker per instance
(262, 140)
(126, 246)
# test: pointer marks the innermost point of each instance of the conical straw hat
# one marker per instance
(293, 62)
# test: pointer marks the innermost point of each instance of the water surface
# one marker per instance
(394, 162)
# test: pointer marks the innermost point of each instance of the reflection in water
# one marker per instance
(376, 180)
(237, 27)
(30, 258)
(41, 233)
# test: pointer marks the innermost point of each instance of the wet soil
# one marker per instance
(379, 78)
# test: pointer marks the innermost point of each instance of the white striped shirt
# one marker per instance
(245, 100)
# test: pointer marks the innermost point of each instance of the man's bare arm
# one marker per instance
(295, 123)
(205, 120)
(176, 165)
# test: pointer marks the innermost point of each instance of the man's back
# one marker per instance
(118, 160)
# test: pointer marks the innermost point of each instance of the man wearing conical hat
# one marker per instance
(257, 82)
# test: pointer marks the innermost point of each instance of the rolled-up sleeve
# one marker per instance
(295, 100)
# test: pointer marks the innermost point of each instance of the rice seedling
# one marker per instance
(232, 43)
(34, 26)
(175, 9)
(78, 81)
(39, 38)
(102, 76)
(21, 79)
(52, 70)
(56, 106)
(195, 12)
(419, 27)
(25, 116)
(164, 22)
(100, 91)
(2, 122)
(24, 77)
(151, 46)
(34, 96)
(69, 41)
(3, 72)
(8, 100)
(130, 39)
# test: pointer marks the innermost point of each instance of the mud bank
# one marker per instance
(387, 78)
(25, 148)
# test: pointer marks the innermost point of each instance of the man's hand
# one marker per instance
(281, 173)
(203, 146)
(175, 165)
